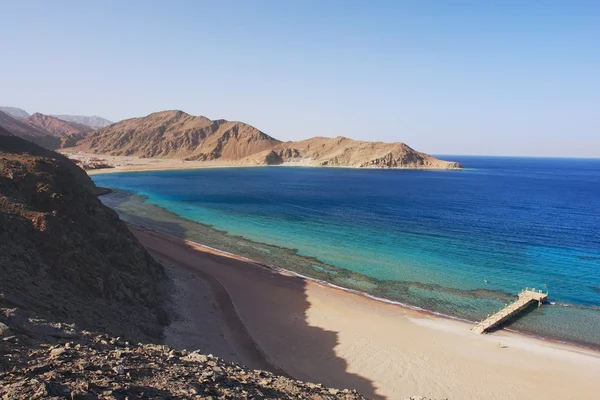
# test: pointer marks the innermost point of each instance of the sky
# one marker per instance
(445, 77)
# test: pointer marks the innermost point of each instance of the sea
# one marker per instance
(461, 243)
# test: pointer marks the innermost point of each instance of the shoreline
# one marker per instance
(345, 339)
(369, 296)
(136, 164)
(238, 335)
(553, 339)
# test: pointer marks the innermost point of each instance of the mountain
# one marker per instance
(175, 134)
(93, 122)
(15, 112)
(14, 144)
(56, 126)
(27, 131)
(345, 152)
(66, 255)
(68, 132)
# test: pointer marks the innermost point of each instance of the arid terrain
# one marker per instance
(176, 135)
(87, 304)
(79, 294)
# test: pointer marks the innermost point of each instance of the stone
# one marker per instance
(196, 357)
(119, 369)
(57, 352)
(4, 330)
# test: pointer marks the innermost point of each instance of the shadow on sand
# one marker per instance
(308, 354)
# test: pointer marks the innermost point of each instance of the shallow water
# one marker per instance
(425, 238)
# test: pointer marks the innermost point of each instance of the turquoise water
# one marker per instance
(424, 238)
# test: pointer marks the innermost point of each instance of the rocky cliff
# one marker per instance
(175, 134)
(67, 256)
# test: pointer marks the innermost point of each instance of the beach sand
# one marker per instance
(314, 332)
(136, 164)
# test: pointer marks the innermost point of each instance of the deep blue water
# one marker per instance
(427, 238)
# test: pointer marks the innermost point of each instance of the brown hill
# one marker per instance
(27, 131)
(65, 255)
(57, 127)
(175, 134)
(69, 132)
(17, 146)
(344, 152)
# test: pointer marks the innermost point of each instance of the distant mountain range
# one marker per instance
(176, 134)
(44, 130)
(15, 112)
(93, 122)
(24, 129)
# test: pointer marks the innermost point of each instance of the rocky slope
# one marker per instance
(69, 133)
(175, 134)
(15, 112)
(56, 126)
(67, 256)
(344, 152)
(27, 131)
(41, 359)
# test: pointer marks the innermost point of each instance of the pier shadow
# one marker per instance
(261, 308)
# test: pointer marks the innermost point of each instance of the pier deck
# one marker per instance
(526, 297)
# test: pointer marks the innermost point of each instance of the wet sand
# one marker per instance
(311, 331)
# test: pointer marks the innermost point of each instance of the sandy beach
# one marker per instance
(310, 331)
(135, 164)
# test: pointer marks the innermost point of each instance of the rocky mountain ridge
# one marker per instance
(69, 133)
(28, 131)
(93, 122)
(345, 152)
(57, 127)
(176, 134)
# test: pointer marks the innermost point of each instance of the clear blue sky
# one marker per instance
(446, 77)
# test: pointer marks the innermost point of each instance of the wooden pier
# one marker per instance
(526, 297)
